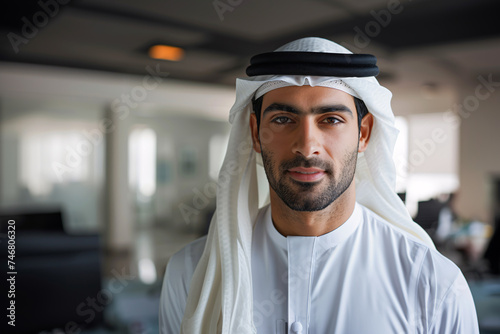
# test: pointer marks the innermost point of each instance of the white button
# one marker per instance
(296, 327)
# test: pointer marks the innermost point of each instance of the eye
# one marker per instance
(281, 120)
(331, 120)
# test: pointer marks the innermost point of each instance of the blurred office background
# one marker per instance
(109, 154)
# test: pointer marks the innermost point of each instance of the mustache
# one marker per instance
(300, 161)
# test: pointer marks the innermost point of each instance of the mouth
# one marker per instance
(304, 174)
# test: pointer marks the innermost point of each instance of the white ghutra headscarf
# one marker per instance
(220, 297)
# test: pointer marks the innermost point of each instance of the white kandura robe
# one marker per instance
(366, 276)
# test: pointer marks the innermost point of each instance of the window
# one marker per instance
(142, 162)
(426, 157)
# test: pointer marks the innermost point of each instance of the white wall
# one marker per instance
(479, 150)
(433, 147)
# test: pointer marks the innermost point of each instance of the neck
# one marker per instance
(289, 222)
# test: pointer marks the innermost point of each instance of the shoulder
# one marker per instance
(176, 281)
(441, 297)
(181, 266)
(189, 254)
(381, 227)
(409, 248)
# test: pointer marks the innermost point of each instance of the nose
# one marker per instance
(306, 139)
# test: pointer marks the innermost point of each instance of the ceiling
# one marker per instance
(429, 42)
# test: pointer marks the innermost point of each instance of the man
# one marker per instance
(335, 251)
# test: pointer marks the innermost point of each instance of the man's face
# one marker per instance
(309, 141)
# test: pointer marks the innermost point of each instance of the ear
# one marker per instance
(365, 132)
(255, 133)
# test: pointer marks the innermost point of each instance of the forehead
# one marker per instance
(307, 96)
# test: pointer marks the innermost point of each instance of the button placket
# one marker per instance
(300, 262)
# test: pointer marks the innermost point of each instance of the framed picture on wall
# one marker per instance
(188, 161)
(164, 172)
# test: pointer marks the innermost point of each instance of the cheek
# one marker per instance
(274, 140)
(340, 144)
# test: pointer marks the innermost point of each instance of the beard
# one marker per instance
(309, 196)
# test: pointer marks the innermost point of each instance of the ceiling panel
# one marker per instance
(195, 62)
(255, 20)
(361, 6)
(476, 57)
(113, 35)
(122, 33)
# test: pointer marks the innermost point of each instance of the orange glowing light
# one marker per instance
(166, 52)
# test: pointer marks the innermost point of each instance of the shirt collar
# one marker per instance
(325, 241)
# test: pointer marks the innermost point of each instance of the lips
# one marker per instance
(306, 174)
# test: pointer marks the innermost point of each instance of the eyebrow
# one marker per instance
(314, 111)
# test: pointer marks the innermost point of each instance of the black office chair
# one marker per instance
(56, 273)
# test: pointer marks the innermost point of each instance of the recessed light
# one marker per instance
(166, 52)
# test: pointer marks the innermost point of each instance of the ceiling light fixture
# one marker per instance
(166, 52)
